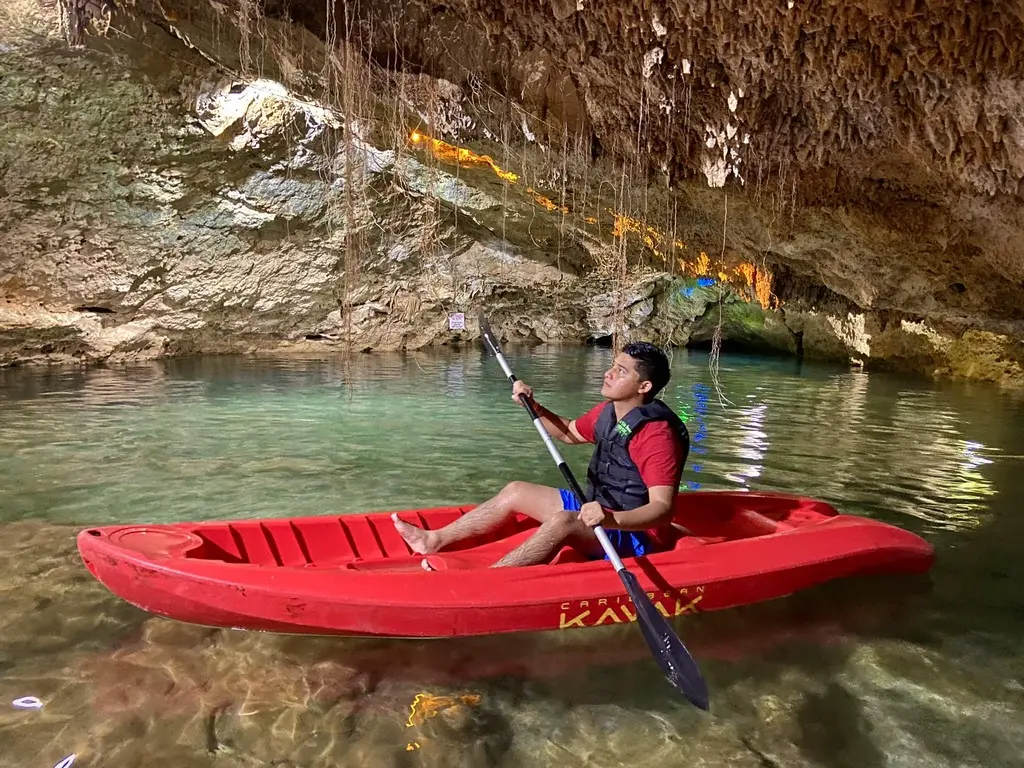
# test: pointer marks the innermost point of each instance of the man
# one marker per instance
(632, 480)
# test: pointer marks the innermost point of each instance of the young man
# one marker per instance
(632, 480)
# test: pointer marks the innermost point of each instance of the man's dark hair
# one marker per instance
(651, 365)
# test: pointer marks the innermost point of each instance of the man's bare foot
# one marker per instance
(422, 542)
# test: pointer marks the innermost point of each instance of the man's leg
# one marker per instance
(553, 532)
(540, 502)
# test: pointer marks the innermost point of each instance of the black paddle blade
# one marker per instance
(489, 338)
(670, 653)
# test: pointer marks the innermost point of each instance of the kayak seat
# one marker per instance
(569, 555)
(693, 542)
(385, 564)
(748, 523)
(456, 561)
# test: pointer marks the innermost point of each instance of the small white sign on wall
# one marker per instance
(457, 322)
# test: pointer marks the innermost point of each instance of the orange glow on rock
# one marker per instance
(547, 203)
(427, 705)
(449, 153)
(746, 280)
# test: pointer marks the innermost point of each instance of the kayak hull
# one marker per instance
(353, 574)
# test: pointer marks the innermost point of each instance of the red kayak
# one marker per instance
(354, 575)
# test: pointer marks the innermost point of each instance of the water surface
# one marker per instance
(900, 672)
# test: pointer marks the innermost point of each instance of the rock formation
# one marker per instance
(836, 180)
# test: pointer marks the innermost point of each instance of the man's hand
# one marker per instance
(592, 514)
(521, 388)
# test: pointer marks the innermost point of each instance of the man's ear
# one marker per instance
(645, 387)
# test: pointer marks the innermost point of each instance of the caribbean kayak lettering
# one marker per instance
(619, 609)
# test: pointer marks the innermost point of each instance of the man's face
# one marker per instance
(622, 381)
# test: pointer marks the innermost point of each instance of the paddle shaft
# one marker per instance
(602, 535)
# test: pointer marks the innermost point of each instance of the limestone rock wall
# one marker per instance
(168, 212)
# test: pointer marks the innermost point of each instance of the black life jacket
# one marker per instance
(613, 480)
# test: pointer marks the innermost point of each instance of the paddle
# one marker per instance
(670, 653)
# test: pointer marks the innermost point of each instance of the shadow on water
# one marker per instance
(738, 649)
(834, 730)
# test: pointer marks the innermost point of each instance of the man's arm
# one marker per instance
(657, 511)
(560, 428)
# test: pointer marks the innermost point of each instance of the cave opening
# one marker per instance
(740, 347)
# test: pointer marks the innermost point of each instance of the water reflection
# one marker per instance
(694, 416)
(752, 442)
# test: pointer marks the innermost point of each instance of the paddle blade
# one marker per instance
(489, 338)
(670, 653)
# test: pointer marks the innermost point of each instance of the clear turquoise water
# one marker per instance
(901, 673)
(206, 439)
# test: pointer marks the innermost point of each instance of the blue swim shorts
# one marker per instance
(626, 543)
